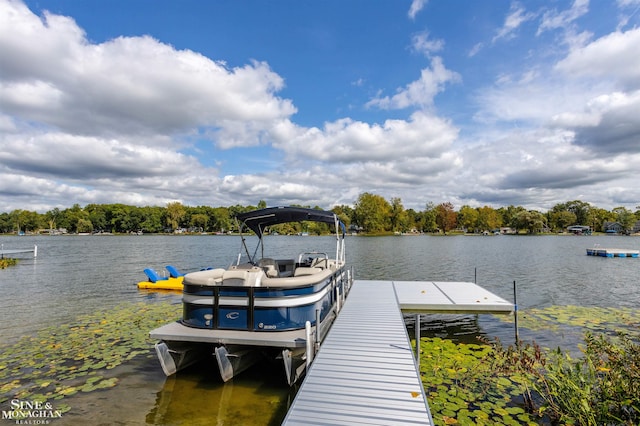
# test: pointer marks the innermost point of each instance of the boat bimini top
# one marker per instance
(259, 220)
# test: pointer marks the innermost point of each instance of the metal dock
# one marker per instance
(34, 250)
(365, 371)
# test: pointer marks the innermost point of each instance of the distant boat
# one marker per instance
(261, 307)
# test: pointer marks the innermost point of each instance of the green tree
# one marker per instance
(510, 215)
(625, 217)
(372, 213)
(428, 218)
(561, 219)
(120, 218)
(6, 224)
(532, 221)
(153, 219)
(398, 216)
(488, 219)
(468, 218)
(52, 217)
(71, 217)
(199, 221)
(84, 225)
(98, 216)
(175, 213)
(580, 209)
(344, 213)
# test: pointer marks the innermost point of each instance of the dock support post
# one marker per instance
(418, 339)
(515, 312)
(35, 251)
(309, 348)
(317, 345)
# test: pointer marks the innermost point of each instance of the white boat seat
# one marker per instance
(304, 270)
(270, 271)
(207, 277)
(243, 277)
(269, 266)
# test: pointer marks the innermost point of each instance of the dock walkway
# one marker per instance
(4, 252)
(365, 372)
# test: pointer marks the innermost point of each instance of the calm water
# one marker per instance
(75, 275)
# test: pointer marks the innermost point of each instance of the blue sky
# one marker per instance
(297, 102)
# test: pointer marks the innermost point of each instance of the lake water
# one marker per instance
(79, 275)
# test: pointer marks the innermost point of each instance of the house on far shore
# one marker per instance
(636, 227)
(579, 229)
(612, 228)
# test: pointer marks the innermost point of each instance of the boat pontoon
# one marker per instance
(264, 306)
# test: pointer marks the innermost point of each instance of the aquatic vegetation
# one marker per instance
(463, 388)
(602, 387)
(6, 262)
(65, 359)
(470, 384)
(582, 318)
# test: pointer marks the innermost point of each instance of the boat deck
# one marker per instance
(176, 332)
(613, 252)
(365, 371)
(448, 297)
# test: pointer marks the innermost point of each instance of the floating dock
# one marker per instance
(612, 252)
(365, 371)
(4, 252)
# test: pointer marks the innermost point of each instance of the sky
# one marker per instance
(492, 103)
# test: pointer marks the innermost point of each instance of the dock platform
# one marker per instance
(365, 371)
(612, 252)
(4, 252)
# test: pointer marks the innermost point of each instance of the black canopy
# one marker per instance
(258, 220)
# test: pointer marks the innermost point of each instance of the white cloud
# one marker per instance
(421, 43)
(516, 17)
(416, 6)
(113, 121)
(348, 141)
(552, 19)
(419, 93)
(51, 73)
(612, 57)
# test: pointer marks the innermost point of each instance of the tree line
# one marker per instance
(370, 213)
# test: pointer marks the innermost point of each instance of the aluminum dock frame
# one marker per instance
(365, 371)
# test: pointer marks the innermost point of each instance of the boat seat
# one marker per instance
(243, 277)
(206, 277)
(153, 275)
(299, 280)
(305, 270)
(269, 266)
(173, 271)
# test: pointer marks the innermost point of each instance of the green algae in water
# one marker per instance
(63, 360)
(580, 318)
(462, 389)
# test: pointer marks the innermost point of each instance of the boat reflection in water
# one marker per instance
(195, 396)
(260, 307)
